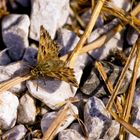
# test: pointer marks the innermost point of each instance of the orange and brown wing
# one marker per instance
(47, 47)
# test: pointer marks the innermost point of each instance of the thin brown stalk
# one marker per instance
(108, 84)
(51, 132)
(121, 14)
(126, 125)
(131, 90)
(71, 58)
(121, 78)
(12, 82)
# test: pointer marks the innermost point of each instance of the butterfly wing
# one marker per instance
(64, 73)
(47, 47)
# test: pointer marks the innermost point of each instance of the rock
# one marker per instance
(76, 127)
(70, 134)
(8, 110)
(86, 18)
(97, 119)
(117, 41)
(12, 70)
(113, 131)
(131, 66)
(66, 40)
(26, 110)
(54, 92)
(94, 85)
(49, 117)
(122, 4)
(4, 58)
(24, 3)
(16, 133)
(15, 34)
(30, 55)
(44, 110)
(132, 34)
(135, 115)
(54, 17)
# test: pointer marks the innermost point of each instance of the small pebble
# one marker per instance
(26, 110)
(8, 110)
(16, 133)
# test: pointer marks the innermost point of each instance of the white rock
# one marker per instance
(86, 18)
(15, 34)
(70, 134)
(122, 4)
(4, 58)
(113, 131)
(131, 66)
(26, 110)
(8, 110)
(97, 119)
(116, 40)
(54, 92)
(51, 14)
(16, 133)
(48, 118)
(8, 72)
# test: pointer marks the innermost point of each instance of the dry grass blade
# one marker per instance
(108, 83)
(12, 82)
(121, 78)
(125, 17)
(88, 30)
(50, 133)
(131, 90)
(126, 125)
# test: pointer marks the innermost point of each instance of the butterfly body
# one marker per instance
(48, 62)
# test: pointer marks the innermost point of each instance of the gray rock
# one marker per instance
(113, 131)
(70, 134)
(117, 41)
(135, 115)
(49, 117)
(122, 4)
(24, 3)
(12, 70)
(76, 127)
(15, 34)
(4, 58)
(132, 34)
(54, 92)
(26, 110)
(8, 110)
(131, 66)
(51, 14)
(30, 55)
(97, 119)
(94, 85)
(16, 133)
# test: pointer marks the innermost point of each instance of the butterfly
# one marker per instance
(48, 62)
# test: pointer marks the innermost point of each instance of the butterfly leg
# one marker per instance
(37, 83)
